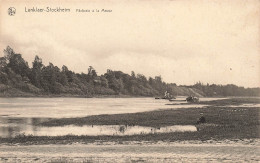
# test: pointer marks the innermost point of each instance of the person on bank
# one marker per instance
(202, 119)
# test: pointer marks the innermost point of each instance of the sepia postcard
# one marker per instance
(129, 81)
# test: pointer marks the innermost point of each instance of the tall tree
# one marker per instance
(36, 77)
(16, 62)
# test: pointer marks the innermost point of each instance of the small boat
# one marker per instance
(192, 99)
(166, 96)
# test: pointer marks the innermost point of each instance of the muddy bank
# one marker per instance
(217, 133)
(159, 152)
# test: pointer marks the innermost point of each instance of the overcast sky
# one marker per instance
(183, 41)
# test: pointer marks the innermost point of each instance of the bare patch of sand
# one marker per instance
(185, 151)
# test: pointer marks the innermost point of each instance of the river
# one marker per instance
(20, 115)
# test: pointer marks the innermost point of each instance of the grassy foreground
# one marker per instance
(222, 122)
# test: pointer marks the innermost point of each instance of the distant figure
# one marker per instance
(165, 94)
(122, 129)
(202, 119)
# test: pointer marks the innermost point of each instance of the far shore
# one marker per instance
(71, 96)
(104, 96)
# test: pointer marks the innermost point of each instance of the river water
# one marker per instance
(80, 107)
(20, 115)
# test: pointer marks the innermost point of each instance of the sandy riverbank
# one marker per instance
(187, 151)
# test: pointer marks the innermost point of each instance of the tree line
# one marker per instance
(17, 76)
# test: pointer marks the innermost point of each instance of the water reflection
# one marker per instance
(14, 127)
(10, 127)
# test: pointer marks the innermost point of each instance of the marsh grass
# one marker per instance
(214, 115)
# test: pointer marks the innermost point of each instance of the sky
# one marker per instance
(184, 41)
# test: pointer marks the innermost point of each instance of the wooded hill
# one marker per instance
(18, 79)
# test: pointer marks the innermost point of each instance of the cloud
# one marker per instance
(184, 41)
